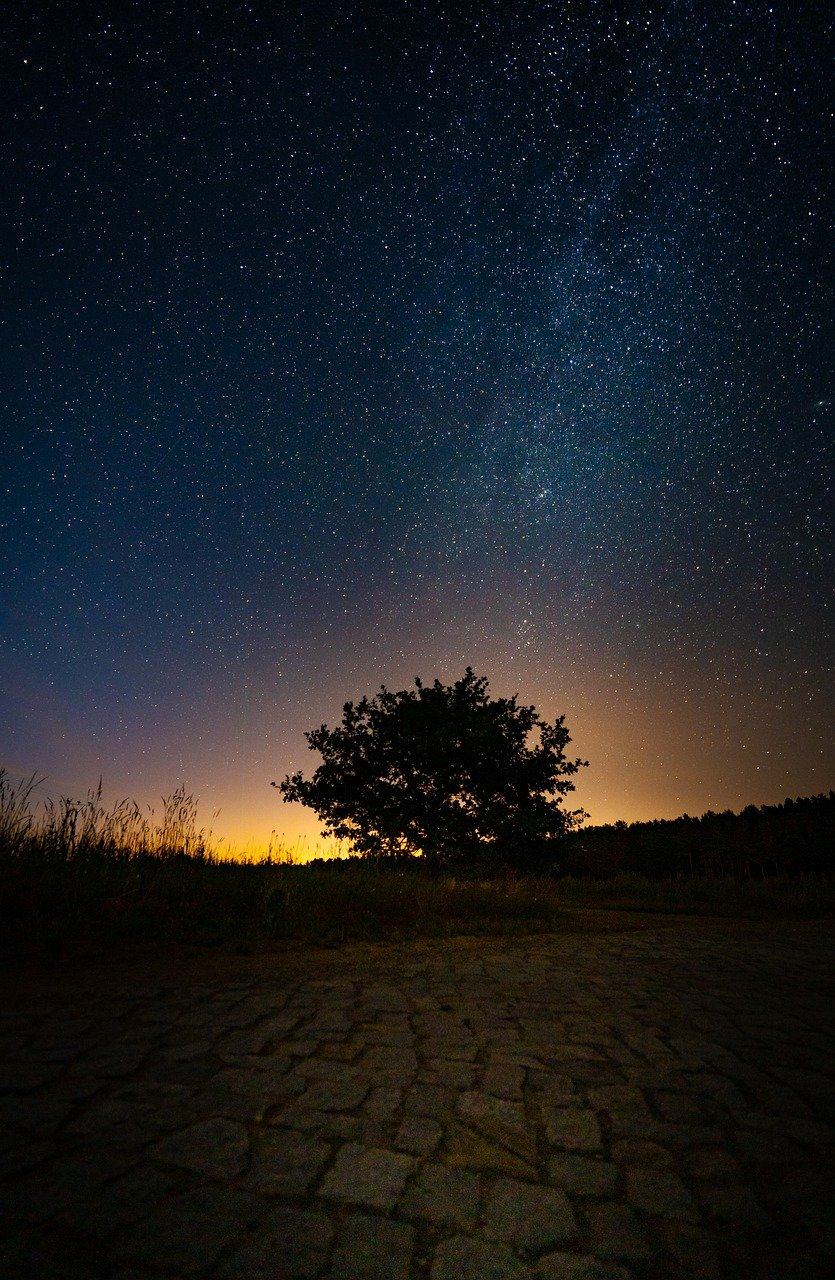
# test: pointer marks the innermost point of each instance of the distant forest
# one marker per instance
(796, 837)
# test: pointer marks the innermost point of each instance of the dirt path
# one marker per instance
(635, 1104)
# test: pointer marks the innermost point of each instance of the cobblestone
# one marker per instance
(636, 1104)
(573, 1129)
(568, 1266)
(530, 1218)
(618, 1235)
(658, 1191)
(418, 1135)
(469, 1258)
(189, 1232)
(217, 1148)
(294, 1245)
(373, 1249)
(286, 1162)
(581, 1175)
(444, 1196)
(367, 1176)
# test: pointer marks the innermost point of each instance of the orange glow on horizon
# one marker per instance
(658, 746)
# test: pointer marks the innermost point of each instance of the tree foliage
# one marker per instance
(444, 771)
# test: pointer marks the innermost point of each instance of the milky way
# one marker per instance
(343, 347)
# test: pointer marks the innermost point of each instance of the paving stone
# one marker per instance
(809, 1133)
(387, 1060)
(419, 1135)
(689, 1251)
(246, 1095)
(286, 1162)
(135, 1115)
(19, 1156)
(322, 1069)
(504, 1081)
(345, 1128)
(734, 1203)
(243, 1042)
(678, 1107)
(470, 1258)
(81, 1088)
(531, 1218)
(335, 1095)
(293, 1246)
(122, 1202)
(500, 1121)
(455, 1075)
(429, 1100)
(582, 1175)
(341, 1051)
(712, 1165)
(708, 1071)
(24, 1076)
(372, 1249)
(469, 1150)
(382, 1103)
(369, 1176)
(640, 1151)
(23, 1257)
(616, 1235)
(767, 1149)
(659, 1192)
(40, 1116)
(216, 1148)
(117, 1059)
(521, 1055)
(553, 1090)
(572, 1128)
(617, 1097)
(56, 1189)
(296, 1117)
(296, 1048)
(572, 1266)
(188, 1233)
(447, 1049)
(442, 1195)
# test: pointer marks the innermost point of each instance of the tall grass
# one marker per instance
(78, 872)
(68, 828)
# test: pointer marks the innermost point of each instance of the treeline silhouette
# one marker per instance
(793, 838)
(79, 873)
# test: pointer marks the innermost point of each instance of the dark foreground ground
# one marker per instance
(634, 1102)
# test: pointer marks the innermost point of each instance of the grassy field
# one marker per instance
(76, 873)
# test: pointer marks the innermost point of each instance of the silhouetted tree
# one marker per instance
(445, 771)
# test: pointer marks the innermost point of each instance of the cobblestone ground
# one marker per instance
(625, 1104)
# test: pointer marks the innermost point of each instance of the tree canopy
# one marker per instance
(444, 771)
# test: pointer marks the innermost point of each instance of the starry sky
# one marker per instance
(347, 343)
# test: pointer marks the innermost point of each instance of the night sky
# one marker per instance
(341, 345)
